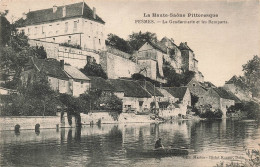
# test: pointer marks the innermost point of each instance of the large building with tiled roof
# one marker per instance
(74, 24)
(219, 98)
(237, 86)
(61, 77)
(134, 97)
(150, 58)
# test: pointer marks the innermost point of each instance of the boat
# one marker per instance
(157, 152)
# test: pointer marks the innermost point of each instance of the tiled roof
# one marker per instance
(150, 88)
(225, 94)
(234, 97)
(234, 80)
(184, 46)
(72, 10)
(158, 45)
(164, 92)
(51, 67)
(130, 88)
(100, 83)
(207, 84)
(164, 39)
(177, 92)
(75, 73)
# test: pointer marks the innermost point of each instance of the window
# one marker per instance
(99, 41)
(75, 26)
(28, 31)
(66, 26)
(194, 84)
(53, 39)
(42, 29)
(81, 82)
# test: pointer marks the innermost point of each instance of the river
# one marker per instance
(210, 143)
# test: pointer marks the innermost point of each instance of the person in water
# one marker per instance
(158, 144)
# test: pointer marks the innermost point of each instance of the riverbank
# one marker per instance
(95, 118)
(54, 122)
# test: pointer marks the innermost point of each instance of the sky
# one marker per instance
(221, 49)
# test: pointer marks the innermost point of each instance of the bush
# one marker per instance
(94, 69)
(249, 108)
(211, 114)
(71, 45)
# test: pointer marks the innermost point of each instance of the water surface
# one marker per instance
(211, 142)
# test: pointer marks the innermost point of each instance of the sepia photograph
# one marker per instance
(133, 83)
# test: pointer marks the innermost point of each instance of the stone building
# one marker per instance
(238, 88)
(150, 59)
(117, 64)
(62, 78)
(173, 54)
(74, 24)
(189, 62)
(196, 88)
(134, 97)
(219, 98)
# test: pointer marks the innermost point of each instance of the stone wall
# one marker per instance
(196, 89)
(29, 122)
(117, 67)
(75, 57)
(106, 118)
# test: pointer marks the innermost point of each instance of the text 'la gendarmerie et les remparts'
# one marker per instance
(178, 15)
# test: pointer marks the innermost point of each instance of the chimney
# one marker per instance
(64, 11)
(62, 64)
(24, 16)
(54, 8)
(185, 43)
(172, 40)
(94, 13)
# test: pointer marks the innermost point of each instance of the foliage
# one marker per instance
(252, 75)
(174, 79)
(5, 29)
(136, 40)
(71, 45)
(40, 52)
(207, 112)
(118, 43)
(133, 43)
(94, 69)
(252, 109)
(138, 76)
(98, 100)
(194, 99)
(249, 108)
(33, 100)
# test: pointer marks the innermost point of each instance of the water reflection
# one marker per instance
(105, 145)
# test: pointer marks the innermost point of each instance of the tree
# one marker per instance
(5, 29)
(194, 99)
(252, 75)
(40, 52)
(118, 43)
(34, 99)
(136, 40)
(94, 69)
(173, 79)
